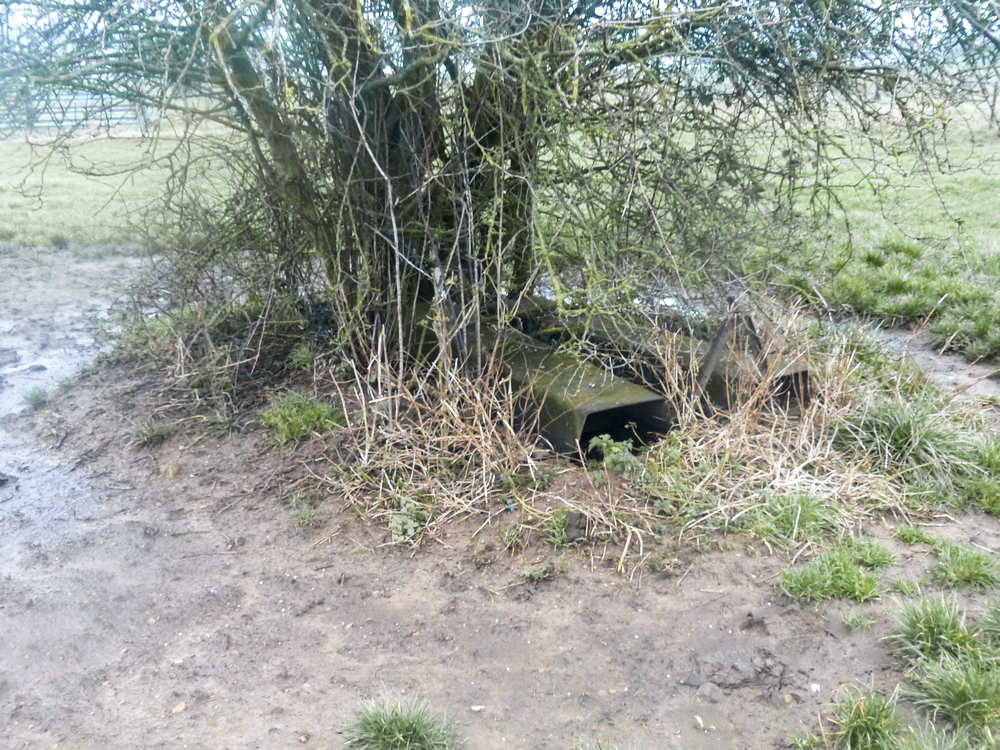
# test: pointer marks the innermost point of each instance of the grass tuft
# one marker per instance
(295, 416)
(929, 629)
(866, 720)
(966, 568)
(836, 574)
(399, 724)
(966, 691)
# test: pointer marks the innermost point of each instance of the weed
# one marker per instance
(513, 538)
(295, 416)
(905, 587)
(790, 520)
(35, 397)
(410, 519)
(928, 629)
(859, 619)
(556, 527)
(963, 567)
(833, 574)
(866, 720)
(870, 553)
(305, 510)
(151, 432)
(914, 535)
(399, 724)
(964, 690)
(990, 624)
(302, 358)
(539, 572)
(616, 455)
(912, 436)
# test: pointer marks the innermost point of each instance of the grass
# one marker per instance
(964, 567)
(36, 397)
(964, 691)
(304, 509)
(393, 723)
(90, 191)
(840, 573)
(918, 248)
(865, 719)
(295, 416)
(914, 535)
(928, 629)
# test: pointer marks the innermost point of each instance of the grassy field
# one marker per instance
(88, 191)
(913, 246)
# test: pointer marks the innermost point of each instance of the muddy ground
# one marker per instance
(161, 598)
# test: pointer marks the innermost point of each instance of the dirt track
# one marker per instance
(159, 598)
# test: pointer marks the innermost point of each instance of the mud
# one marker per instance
(161, 598)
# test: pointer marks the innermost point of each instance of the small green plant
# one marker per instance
(513, 538)
(302, 358)
(870, 553)
(866, 720)
(151, 432)
(304, 508)
(963, 567)
(295, 416)
(964, 690)
(556, 528)
(616, 455)
(990, 624)
(539, 572)
(834, 574)
(928, 629)
(859, 619)
(410, 519)
(399, 724)
(790, 520)
(914, 535)
(35, 397)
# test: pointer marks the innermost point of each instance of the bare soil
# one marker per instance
(161, 597)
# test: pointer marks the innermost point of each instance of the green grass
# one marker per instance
(840, 573)
(865, 719)
(964, 567)
(787, 521)
(399, 724)
(55, 204)
(913, 245)
(964, 691)
(914, 535)
(35, 397)
(295, 416)
(304, 508)
(928, 629)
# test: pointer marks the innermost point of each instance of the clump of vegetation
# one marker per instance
(295, 416)
(930, 628)
(959, 566)
(152, 431)
(304, 507)
(865, 719)
(35, 397)
(392, 723)
(840, 573)
(409, 520)
(914, 535)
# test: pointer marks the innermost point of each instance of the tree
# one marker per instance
(398, 149)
